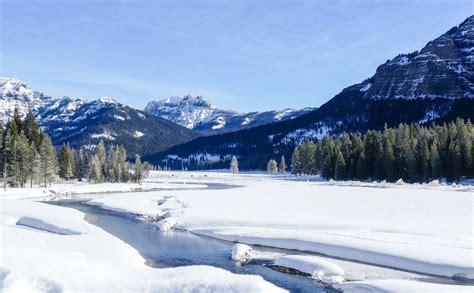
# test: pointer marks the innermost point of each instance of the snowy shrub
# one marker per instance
(400, 182)
(434, 183)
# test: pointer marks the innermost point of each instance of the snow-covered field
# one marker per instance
(421, 228)
(46, 248)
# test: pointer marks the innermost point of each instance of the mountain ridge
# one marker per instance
(435, 84)
(194, 112)
(82, 123)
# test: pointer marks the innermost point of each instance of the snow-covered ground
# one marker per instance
(426, 228)
(423, 228)
(47, 248)
(74, 188)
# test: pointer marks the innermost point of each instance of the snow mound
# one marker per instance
(42, 225)
(32, 284)
(387, 286)
(318, 268)
(241, 252)
(166, 224)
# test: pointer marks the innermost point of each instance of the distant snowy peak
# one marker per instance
(194, 112)
(83, 123)
(15, 93)
(186, 111)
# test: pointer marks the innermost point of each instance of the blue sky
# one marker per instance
(242, 55)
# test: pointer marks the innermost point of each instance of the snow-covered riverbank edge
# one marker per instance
(47, 248)
(303, 212)
(423, 228)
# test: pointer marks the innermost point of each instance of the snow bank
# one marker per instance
(39, 260)
(241, 252)
(318, 268)
(387, 286)
(415, 227)
(74, 188)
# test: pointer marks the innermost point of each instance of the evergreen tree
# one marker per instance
(138, 169)
(340, 172)
(48, 161)
(329, 155)
(7, 160)
(307, 152)
(411, 165)
(234, 165)
(425, 161)
(122, 164)
(30, 128)
(17, 120)
(282, 166)
(95, 170)
(272, 167)
(147, 167)
(455, 164)
(101, 155)
(435, 162)
(296, 162)
(66, 163)
(361, 167)
(389, 160)
(33, 172)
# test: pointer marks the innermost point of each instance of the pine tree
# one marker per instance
(455, 164)
(379, 166)
(17, 120)
(48, 161)
(389, 160)
(361, 167)
(24, 160)
(296, 161)
(95, 170)
(234, 165)
(425, 161)
(122, 164)
(307, 152)
(435, 161)
(329, 154)
(147, 167)
(411, 165)
(34, 163)
(7, 160)
(138, 169)
(101, 155)
(272, 167)
(66, 163)
(30, 128)
(340, 172)
(282, 166)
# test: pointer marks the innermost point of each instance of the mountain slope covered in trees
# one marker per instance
(411, 153)
(435, 84)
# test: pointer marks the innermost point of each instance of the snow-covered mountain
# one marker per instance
(83, 123)
(196, 113)
(433, 84)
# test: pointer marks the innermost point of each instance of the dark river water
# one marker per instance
(180, 248)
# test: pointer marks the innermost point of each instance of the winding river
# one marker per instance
(180, 248)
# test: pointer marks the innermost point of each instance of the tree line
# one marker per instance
(412, 153)
(27, 155)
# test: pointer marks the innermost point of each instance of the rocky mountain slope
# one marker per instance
(434, 84)
(83, 123)
(196, 113)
